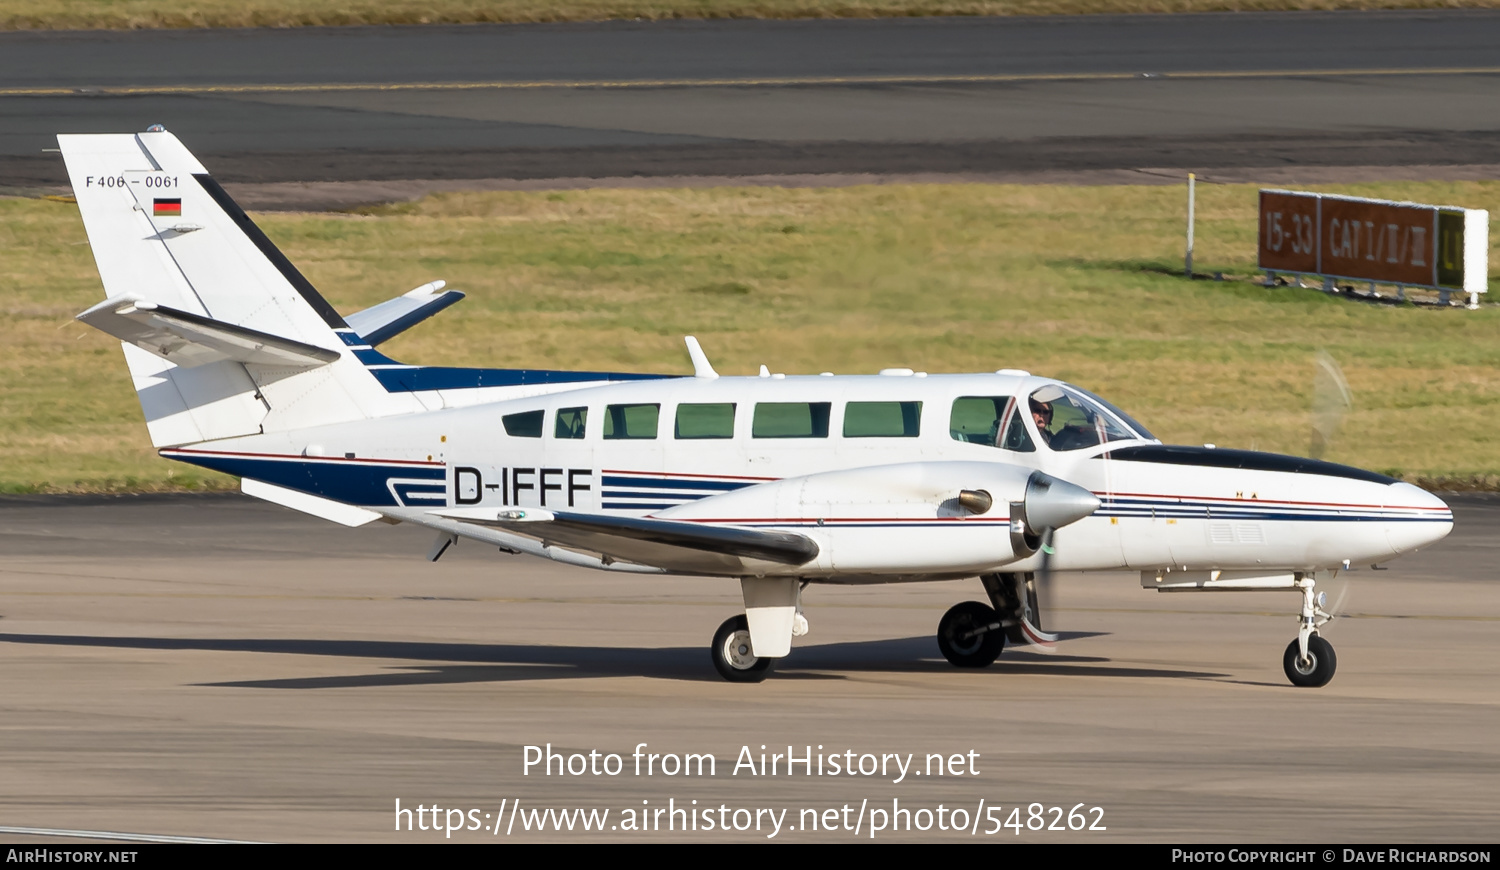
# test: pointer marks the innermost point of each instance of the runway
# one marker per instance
(743, 98)
(210, 666)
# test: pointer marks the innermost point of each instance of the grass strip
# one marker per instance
(1081, 283)
(141, 14)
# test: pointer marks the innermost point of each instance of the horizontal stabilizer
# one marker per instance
(193, 340)
(634, 537)
(383, 322)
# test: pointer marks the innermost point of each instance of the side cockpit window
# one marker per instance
(981, 419)
(976, 419)
(1016, 437)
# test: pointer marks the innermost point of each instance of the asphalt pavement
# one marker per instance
(213, 666)
(751, 97)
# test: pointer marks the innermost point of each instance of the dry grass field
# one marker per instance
(1082, 283)
(131, 14)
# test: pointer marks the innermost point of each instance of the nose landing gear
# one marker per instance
(1309, 660)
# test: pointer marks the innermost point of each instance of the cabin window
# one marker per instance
(790, 420)
(524, 425)
(571, 422)
(707, 420)
(882, 419)
(630, 422)
(978, 419)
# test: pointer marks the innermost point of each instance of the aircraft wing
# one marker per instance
(670, 544)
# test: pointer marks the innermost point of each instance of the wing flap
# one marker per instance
(669, 543)
(190, 340)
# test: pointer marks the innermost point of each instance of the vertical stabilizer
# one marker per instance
(165, 233)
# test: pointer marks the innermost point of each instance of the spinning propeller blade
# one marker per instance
(1331, 401)
(1050, 504)
(1039, 598)
(1342, 601)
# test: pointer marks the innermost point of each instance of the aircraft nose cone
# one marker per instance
(1051, 503)
(1422, 518)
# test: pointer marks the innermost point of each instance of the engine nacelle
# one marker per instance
(908, 518)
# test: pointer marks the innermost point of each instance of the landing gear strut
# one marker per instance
(1014, 597)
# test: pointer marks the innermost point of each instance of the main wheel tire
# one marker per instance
(1317, 669)
(958, 640)
(733, 656)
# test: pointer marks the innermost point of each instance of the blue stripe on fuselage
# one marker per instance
(348, 482)
(1240, 511)
(420, 378)
(400, 378)
(651, 493)
(660, 483)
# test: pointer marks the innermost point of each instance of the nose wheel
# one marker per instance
(1309, 661)
(970, 635)
(1313, 669)
(734, 657)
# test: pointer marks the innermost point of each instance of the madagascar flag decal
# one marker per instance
(166, 207)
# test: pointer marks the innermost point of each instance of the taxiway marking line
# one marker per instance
(770, 81)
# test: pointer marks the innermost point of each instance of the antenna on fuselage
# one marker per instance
(701, 366)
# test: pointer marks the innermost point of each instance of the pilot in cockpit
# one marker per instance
(1041, 410)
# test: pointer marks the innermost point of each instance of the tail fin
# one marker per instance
(166, 235)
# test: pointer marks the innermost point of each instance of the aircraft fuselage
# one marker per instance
(695, 438)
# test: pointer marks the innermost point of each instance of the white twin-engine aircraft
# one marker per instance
(776, 481)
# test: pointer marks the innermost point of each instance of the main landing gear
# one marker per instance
(746, 647)
(972, 635)
(734, 658)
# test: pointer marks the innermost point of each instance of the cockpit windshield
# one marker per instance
(1068, 418)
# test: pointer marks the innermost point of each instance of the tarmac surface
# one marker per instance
(216, 667)
(733, 98)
